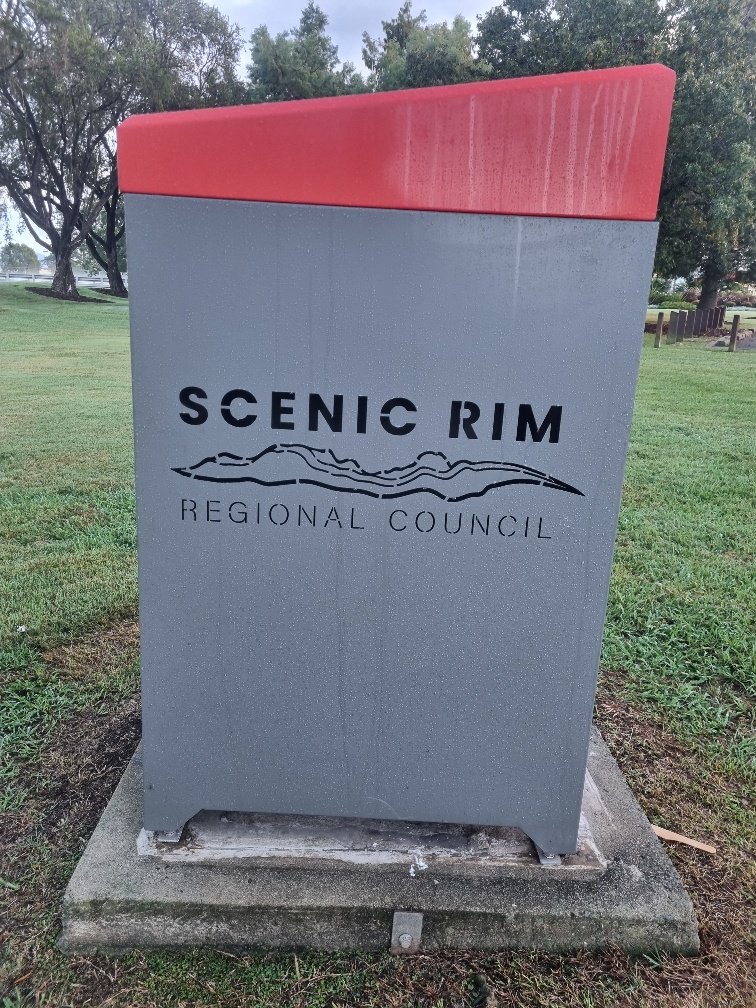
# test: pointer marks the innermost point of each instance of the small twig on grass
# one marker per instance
(665, 834)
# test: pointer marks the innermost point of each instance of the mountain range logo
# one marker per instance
(431, 472)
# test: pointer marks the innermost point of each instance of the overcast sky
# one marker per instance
(347, 19)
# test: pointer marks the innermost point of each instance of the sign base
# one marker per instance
(374, 845)
(119, 899)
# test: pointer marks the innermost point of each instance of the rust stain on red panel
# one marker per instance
(587, 144)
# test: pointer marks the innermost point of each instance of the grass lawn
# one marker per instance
(675, 704)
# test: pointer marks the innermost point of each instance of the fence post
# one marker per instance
(659, 328)
(689, 323)
(734, 333)
(721, 318)
(682, 320)
(672, 328)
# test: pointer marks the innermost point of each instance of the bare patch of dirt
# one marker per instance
(106, 290)
(77, 775)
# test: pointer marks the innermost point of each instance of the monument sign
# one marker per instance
(384, 359)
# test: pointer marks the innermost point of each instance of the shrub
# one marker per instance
(677, 304)
(659, 290)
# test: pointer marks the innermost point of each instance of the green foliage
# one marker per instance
(414, 54)
(557, 36)
(19, 258)
(659, 290)
(708, 198)
(187, 51)
(62, 93)
(300, 63)
(70, 72)
(677, 303)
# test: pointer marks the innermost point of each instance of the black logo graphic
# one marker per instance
(430, 472)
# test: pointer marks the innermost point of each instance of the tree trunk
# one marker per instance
(709, 286)
(104, 247)
(64, 284)
(115, 280)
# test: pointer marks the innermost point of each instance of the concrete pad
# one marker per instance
(262, 882)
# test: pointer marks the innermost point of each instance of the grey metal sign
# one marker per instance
(379, 462)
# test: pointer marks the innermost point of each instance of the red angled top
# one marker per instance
(585, 144)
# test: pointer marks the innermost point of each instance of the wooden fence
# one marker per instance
(694, 323)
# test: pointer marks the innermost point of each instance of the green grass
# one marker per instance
(67, 539)
(66, 493)
(679, 633)
(680, 618)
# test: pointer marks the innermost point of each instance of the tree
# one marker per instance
(708, 193)
(534, 37)
(18, 258)
(300, 63)
(413, 53)
(81, 262)
(69, 73)
(708, 199)
(188, 53)
(62, 92)
(105, 243)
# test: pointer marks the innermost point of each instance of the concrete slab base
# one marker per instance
(292, 882)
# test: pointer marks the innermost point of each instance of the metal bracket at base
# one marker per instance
(548, 860)
(406, 933)
(168, 836)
